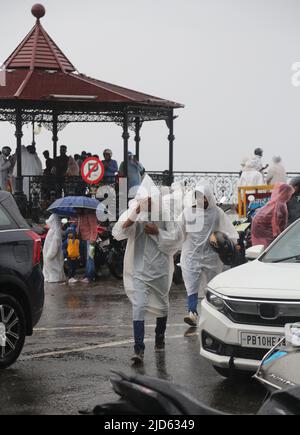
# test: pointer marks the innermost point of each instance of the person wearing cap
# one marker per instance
(294, 203)
(4, 167)
(110, 166)
(135, 173)
(276, 172)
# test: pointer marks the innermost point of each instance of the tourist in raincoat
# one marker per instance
(199, 262)
(31, 167)
(53, 253)
(276, 172)
(251, 176)
(148, 264)
(272, 219)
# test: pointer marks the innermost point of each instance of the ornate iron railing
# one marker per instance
(43, 191)
(223, 184)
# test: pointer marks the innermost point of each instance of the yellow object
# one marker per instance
(73, 249)
(242, 196)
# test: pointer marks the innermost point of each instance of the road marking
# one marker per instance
(79, 328)
(89, 348)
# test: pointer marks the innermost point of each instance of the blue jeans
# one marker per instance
(90, 265)
(193, 303)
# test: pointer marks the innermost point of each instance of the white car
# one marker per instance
(245, 309)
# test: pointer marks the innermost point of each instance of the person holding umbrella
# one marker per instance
(85, 209)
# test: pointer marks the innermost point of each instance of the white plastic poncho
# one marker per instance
(276, 172)
(31, 166)
(251, 176)
(199, 262)
(148, 263)
(173, 202)
(53, 253)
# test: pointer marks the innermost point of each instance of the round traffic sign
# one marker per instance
(92, 170)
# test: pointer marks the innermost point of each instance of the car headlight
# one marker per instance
(214, 300)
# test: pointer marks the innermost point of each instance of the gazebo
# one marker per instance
(42, 86)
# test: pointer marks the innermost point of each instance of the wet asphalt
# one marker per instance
(85, 332)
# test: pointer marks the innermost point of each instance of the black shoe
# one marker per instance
(138, 358)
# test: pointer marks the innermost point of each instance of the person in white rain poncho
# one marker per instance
(31, 166)
(148, 264)
(173, 201)
(251, 176)
(199, 262)
(52, 253)
(276, 172)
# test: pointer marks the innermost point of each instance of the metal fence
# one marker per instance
(42, 191)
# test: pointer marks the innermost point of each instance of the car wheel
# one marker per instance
(12, 330)
(233, 373)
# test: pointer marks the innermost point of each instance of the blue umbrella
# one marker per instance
(67, 206)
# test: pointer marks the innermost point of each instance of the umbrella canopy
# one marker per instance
(68, 205)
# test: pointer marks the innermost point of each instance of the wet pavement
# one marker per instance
(86, 332)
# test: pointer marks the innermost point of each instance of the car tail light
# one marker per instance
(37, 247)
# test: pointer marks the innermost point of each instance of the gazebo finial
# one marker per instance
(38, 11)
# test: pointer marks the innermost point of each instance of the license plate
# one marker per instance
(259, 341)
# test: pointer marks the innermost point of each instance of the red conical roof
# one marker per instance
(38, 51)
(38, 70)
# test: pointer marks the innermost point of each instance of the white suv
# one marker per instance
(245, 309)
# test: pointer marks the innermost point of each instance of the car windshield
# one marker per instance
(286, 249)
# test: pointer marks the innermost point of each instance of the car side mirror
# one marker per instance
(254, 252)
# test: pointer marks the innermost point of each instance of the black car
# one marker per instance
(21, 280)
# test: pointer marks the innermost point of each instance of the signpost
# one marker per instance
(92, 170)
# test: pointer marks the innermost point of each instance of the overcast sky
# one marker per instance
(228, 61)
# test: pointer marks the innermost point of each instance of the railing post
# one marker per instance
(55, 132)
(171, 139)
(19, 195)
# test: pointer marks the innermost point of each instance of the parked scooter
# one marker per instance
(279, 370)
(142, 395)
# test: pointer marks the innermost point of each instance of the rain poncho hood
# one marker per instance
(53, 253)
(173, 202)
(200, 263)
(272, 219)
(276, 172)
(148, 263)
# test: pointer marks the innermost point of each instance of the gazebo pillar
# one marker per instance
(137, 138)
(20, 198)
(55, 132)
(171, 139)
(125, 137)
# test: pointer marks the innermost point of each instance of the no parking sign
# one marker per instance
(92, 170)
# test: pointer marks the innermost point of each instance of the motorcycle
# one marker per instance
(109, 252)
(142, 395)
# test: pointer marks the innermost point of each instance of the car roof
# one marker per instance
(4, 195)
(8, 202)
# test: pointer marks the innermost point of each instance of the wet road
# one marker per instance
(84, 333)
